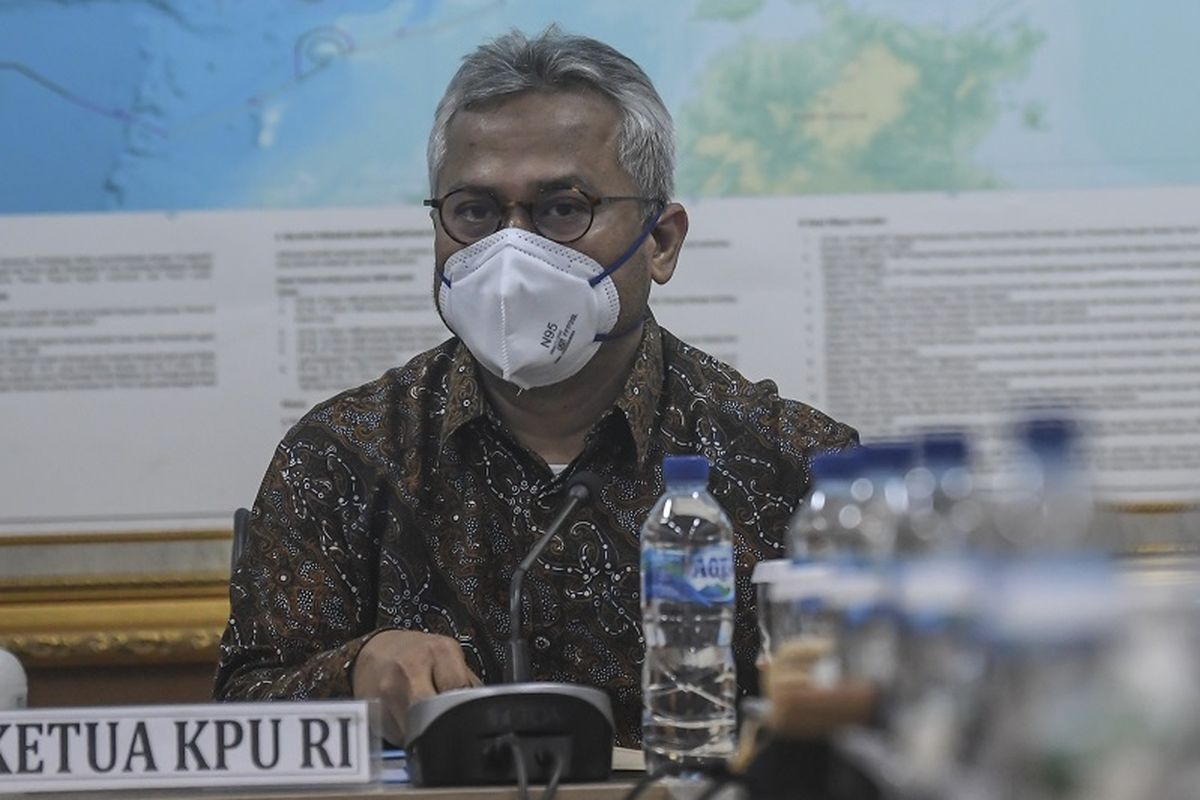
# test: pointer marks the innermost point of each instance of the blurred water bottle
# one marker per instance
(840, 539)
(868, 640)
(942, 661)
(1155, 696)
(689, 685)
(945, 515)
(827, 523)
(1045, 502)
(1047, 726)
(883, 493)
(825, 543)
(941, 656)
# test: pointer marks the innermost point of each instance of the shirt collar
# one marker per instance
(638, 401)
(639, 398)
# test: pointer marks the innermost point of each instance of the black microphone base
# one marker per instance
(476, 736)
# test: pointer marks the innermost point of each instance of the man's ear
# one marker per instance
(667, 238)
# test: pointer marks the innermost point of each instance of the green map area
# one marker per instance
(864, 104)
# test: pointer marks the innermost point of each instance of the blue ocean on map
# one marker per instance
(197, 104)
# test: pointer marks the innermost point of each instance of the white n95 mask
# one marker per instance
(533, 312)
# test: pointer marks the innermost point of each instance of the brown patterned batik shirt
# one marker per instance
(406, 503)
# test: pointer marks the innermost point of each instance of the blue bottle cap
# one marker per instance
(945, 449)
(1048, 434)
(838, 465)
(894, 456)
(685, 469)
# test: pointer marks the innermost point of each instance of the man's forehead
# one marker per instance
(578, 112)
(535, 138)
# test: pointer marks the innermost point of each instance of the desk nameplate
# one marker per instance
(181, 746)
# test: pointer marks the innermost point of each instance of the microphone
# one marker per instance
(519, 731)
(583, 487)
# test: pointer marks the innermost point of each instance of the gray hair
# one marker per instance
(553, 60)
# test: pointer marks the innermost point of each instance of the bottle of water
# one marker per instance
(942, 658)
(942, 663)
(1045, 504)
(689, 684)
(1047, 726)
(883, 492)
(825, 525)
(945, 512)
(1153, 671)
(869, 636)
(1055, 601)
(823, 539)
(841, 628)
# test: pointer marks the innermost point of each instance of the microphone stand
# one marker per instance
(521, 730)
(581, 490)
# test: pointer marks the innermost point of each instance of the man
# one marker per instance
(392, 516)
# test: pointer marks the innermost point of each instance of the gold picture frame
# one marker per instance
(114, 599)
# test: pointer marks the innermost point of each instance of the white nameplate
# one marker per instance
(220, 744)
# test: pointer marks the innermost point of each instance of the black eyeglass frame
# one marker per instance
(438, 203)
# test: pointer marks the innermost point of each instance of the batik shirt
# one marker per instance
(407, 503)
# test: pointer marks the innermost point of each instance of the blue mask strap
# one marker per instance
(608, 337)
(633, 248)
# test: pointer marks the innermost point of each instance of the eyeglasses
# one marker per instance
(561, 215)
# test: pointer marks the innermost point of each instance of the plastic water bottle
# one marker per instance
(1055, 601)
(840, 631)
(1046, 504)
(1152, 672)
(1047, 724)
(689, 684)
(823, 535)
(941, 667)
(883, 492)
(826, 525)
(942, 657)
(946, 514)
(869, 634)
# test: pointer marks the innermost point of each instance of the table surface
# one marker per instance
(616, 789)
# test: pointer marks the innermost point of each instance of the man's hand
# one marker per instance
(401, 667)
